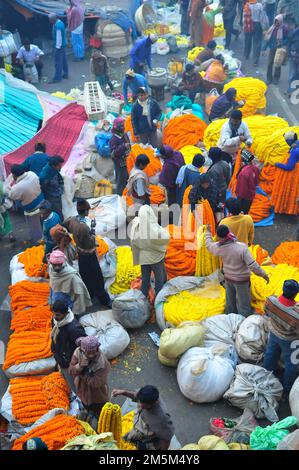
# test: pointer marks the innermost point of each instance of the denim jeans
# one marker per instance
(274, 348)
(60, 64)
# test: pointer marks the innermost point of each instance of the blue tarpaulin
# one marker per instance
(265, 222)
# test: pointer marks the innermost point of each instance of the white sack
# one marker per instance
(131, 309)
(222, 328)
(251, 338)
(38, 367)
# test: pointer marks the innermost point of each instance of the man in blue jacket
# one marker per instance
(133, 81)
(52, 184)
(38, 160)
(291, 139)
(59, 38)
(146, 113)
(141, 53)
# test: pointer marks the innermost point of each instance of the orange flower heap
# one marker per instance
(285, 192)
(102, 247)
(153, 168)
(26, 294)
(157, 195)
(32, 259)
(36, 318)
(260, 208)
(55, 432)
(184, 130)
(27, 346)
(287, 253)
(180, 259)
(32, 397)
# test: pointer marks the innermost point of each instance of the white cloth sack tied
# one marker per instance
(131, 309)
(255, 388)
(113, 338)
(251, 338)
(203, 375)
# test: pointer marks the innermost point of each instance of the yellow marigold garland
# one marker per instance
(206, 263)
(111, 421)
(251, 90)
(278, 274)
(125, 271)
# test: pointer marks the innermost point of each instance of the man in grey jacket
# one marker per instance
(238, 264)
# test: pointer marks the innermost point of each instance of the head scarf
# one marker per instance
(198, 160)
(89, 344)
(60, 235)
(57, 257)
(215, 154)
(166, 151)
(75, 15)
(117, 124)
(230, 238)
(62, 297)
(279, 33)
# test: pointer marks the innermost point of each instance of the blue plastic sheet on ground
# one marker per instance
(265, 222)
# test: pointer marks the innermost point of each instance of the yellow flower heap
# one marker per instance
(111, 421)
(195, 305)
(261, 128)
(252, 91)
(206, 263)
(194, 53)
(260, 290)
(125, 271)
(272, 148)
(188, 152)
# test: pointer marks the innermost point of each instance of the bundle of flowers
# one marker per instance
(260, 208)
(157, 195)
(125, 271)
(285, 192)
(27, 346)
(32, 259)
(102, 246)
(153, 168)
(55, 432)
(206, 263)
(184, 130)
(32, 397)
(203, 216)
(181, 253)
(252, 91)
(272, 148)
(36, 318)
(260, 255)
(26, 294)
(267, 178)
(111, 421)
(287, 252)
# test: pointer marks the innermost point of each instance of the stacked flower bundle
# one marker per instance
(125, 271)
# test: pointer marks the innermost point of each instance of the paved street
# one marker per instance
(191, 420)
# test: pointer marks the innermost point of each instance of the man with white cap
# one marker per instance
(141, 53)
(59, 38)
(291, 139)
(133, 81)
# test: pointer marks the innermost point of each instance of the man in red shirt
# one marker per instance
(247, 181)
(283, 313)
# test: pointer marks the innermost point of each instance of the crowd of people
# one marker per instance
(36, 187)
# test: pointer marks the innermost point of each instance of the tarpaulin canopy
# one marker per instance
(44, 7)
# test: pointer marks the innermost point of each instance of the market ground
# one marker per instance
(139, 365)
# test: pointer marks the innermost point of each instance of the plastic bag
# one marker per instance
(294, 399)
(252, 338)
(109, 214)
(290, 442)
(176, 341)
(246, 423)
(112, 336)
(255, 388)
(268, 438)
(222, 328)
(131, 309)
(212, 443)
(102, 140)
(203, 376)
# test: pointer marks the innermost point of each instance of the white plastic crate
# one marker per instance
(114, 105)
(95, 101)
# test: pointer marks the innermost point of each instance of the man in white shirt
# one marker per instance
(29, 56)
(233, 133)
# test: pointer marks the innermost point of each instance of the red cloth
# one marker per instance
(60, 134)
(286, 302)
(247, 181)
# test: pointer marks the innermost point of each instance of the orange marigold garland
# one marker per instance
(266, 178)
(26, 294)
(157, 196)
(55, 432)
(27, 346)
(184, 130)
(102, 246)
(129, 128)
(180, 259)
(233, 182)
(286, 191)
(32, 259)
(36, 318)
(32, 397)
(205, 215)
(287, 253)
(154, 167)
(260, 208)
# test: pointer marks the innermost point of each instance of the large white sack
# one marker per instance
(222, 328)
(38, 367)
(255, 388)
(204, 376)
(294, 399)
(252, 337)
(68, 206)
(131, 309)
(113, 338)
(109, 214)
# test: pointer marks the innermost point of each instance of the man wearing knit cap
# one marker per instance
(85, 240)
(133, 81)
(141, 53)
(90, 368)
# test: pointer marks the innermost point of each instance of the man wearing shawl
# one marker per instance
(75, 20)
(64, 278)
(90, 368)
